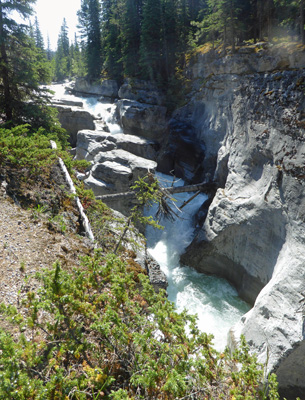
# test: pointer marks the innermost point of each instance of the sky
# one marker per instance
(50, 14)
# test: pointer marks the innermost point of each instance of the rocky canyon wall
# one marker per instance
(248, 110)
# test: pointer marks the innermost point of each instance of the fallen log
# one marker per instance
(68, 179)
(202, 187)
(207, 187)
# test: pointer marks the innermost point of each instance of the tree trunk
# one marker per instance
(232, 26)
(4, 72)
(269, 22)
(260, 19)
(206, 187)
(302, 5)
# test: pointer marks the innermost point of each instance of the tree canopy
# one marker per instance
(23, 68)
(148, 39)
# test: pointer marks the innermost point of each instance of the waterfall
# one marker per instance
(214, 300)
(97, 108)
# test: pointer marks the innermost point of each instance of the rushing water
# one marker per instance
(214, 300)
(93, 105)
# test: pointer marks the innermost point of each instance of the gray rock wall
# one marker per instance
(252, 126)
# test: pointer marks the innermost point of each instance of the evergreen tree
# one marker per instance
(38, 36)
(49, 51)
(169, 38)
(78, 63)
(290, 16)
(64, 38)
(89, 17)
(21, 69)
(151, 42)
(130, 36)
(302, 21)
(62, 57)
(111, 38)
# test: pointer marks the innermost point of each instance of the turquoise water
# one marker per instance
(214, 300)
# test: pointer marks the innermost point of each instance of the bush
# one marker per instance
(102, 332)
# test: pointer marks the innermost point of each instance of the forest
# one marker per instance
(119, 39)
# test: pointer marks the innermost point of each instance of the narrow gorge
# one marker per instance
(241, 129)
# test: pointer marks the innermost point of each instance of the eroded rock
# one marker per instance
(145, 120)
(141, 91)
(74, 119)
(253, 130)
(107, 88)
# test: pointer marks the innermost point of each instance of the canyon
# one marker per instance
(242, 127)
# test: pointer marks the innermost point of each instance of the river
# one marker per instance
(214, 300)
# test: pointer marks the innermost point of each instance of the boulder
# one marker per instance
(74, 119)
(137, 145)
(115, 171)
(90, 143)
(145, 120)
(138, 165)
(141, 91)
(107, 88)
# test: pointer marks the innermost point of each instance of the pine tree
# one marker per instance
(78, 63)
(169, 38)
(130, 36)
(89, 17)
(38, 36)
(49, 51)
(62, 57)
(112, 43)
(302, 21)
(21, 69)
(151, 42)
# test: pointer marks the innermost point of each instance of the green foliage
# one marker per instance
(89, 17)
(148, 193)
(23, 148)
(63, 63)
(38, 211)
(57, 223)
(23, 68)
(100, 331)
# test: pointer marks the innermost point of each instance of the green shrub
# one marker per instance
(95, 333)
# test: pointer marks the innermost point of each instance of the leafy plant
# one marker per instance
(100, 331)
(58, 223)
(38, 211)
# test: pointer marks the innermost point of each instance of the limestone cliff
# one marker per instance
(248, 109)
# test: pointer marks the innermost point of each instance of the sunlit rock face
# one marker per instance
(74, 119)
(141, 91)
(107, 88)
(252, 126)
(145, 120)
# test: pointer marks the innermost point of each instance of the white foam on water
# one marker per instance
(99, 109)
(214, 300)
